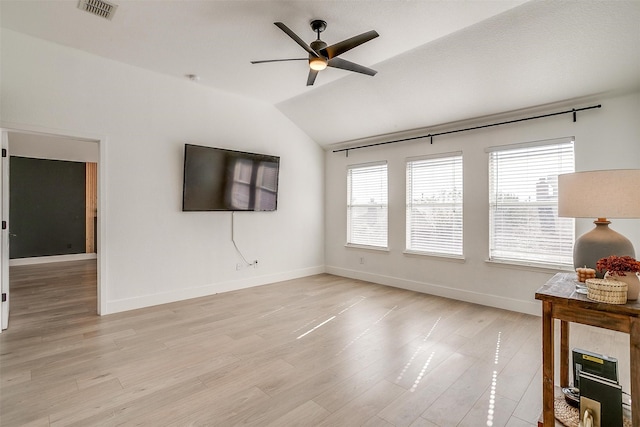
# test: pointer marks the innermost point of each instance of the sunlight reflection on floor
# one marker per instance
(494, 382)
(366, 331)
(415, 354)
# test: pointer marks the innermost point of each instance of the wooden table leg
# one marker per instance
(547, 364)
(634, 351)
(564, 354)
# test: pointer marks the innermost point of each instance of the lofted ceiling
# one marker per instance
(437, 61)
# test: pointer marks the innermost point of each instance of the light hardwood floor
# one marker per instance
(316, 351)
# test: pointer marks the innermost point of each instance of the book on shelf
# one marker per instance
(602, 399)
(593, 363)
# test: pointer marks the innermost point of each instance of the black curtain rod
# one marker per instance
(431, 135)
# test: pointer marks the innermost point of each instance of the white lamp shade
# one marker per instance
(600, 194)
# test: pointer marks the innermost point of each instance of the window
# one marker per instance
(523, 203)
(434, 205)
(367, 205)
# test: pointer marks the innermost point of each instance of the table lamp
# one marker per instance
(600, 194)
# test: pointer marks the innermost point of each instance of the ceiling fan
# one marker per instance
(322, 56)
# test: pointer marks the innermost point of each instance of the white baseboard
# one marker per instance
(52, 258)
(527, 307)
(127, 304)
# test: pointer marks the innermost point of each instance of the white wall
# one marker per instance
(606, 138)
(154, 252)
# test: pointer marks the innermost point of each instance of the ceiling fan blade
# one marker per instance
(350, 66)
(348, 44)
(279, 60)
(297, 39)
(312, 77)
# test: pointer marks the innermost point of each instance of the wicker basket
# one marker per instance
(570, 416)
(607, 290)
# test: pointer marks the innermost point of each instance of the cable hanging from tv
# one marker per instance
(233, 239)
(573, 111)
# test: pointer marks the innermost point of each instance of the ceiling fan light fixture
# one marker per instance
(317, 64)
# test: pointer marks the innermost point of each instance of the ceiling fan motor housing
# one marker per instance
(318, 45)
(318, 63)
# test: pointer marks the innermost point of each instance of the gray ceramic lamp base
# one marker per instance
(600, 242)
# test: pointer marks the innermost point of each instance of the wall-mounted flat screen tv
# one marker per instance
(216, 179)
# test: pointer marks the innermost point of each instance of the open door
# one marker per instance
(4, 245)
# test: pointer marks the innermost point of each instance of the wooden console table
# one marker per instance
(560, 301)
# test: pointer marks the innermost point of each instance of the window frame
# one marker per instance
(351, 206)
(456, 160)
(566, 224)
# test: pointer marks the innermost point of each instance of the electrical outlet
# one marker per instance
(255, 264)
(238, 266)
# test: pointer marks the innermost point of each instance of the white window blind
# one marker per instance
(523, 203)
(367, 205)
(434, 205)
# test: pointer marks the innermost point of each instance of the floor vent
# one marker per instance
(98, 7)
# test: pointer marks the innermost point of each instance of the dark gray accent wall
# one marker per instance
(46, 207)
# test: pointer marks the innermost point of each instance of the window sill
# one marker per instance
(530, 266)
(443, 257)
(369, 248)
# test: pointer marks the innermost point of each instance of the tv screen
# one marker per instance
(216, 179)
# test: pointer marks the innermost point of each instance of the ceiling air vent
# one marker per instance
(98, 7)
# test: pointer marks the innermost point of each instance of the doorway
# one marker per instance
(53, 145)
